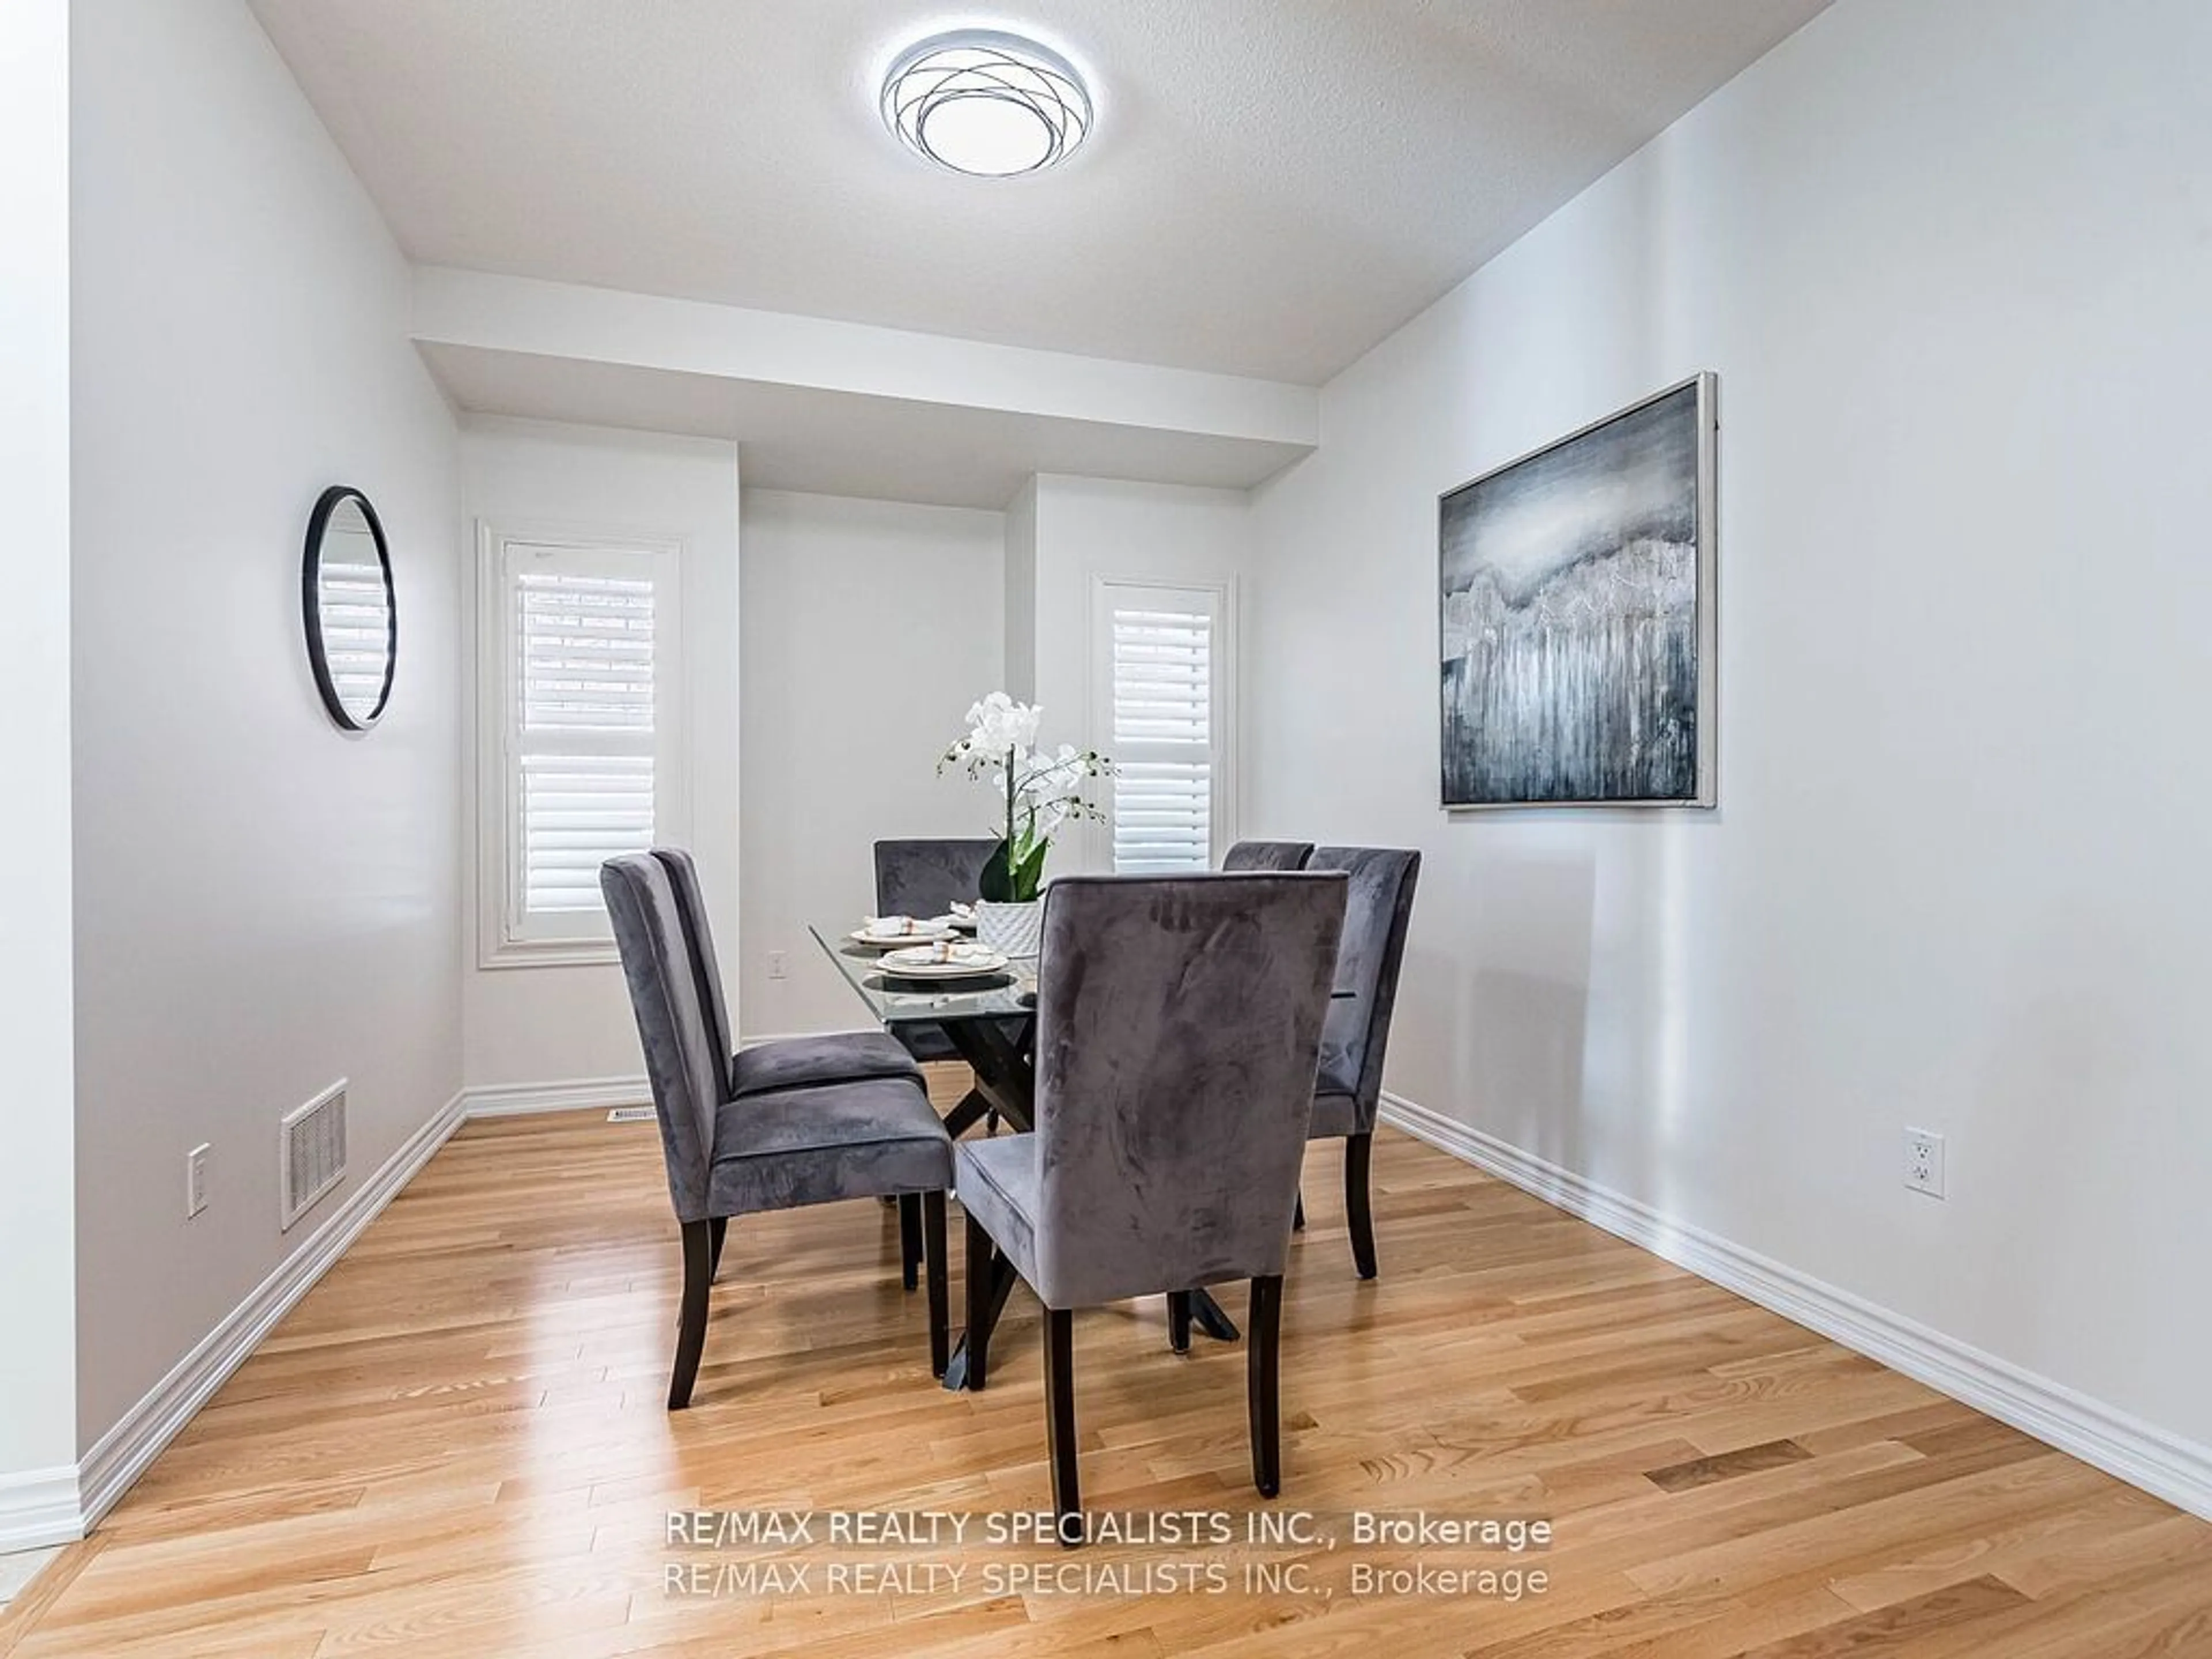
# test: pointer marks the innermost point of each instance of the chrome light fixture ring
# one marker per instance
(987, 104)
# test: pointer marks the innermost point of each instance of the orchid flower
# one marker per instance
(1042, 788)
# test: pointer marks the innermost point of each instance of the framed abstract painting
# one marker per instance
(1578, 616)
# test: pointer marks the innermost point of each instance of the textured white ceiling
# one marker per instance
(1272, 186)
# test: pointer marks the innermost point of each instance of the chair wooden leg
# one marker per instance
(909, 1206)
(1179, 1321)
(981, 1314)
(940, 1343)
(717, 1229)
(1059, 1418)
(692, 1325)
(1263, 1339)
(1358, 1152)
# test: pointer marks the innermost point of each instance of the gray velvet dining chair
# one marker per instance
(925, 877)
(785, 1062)
(1179, 1030)
(729, 1155)
(1267, 855)
(1379, 906)
(789, 1062)
(1249, 855)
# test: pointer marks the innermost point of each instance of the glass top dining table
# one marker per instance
(1007, 995)
(1010, 993)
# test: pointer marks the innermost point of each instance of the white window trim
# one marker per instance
(1098, 716)
(497, 829)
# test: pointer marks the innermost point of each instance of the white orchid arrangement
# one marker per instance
(1043, 789)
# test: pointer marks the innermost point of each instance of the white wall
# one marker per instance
(536, 1024)
(37, 1294)
(869, 629)
(1086, 528)
(1951, 263)
(264, 903)
(1021, 592)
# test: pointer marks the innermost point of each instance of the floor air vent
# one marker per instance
(630, 1115)
(311, 1148)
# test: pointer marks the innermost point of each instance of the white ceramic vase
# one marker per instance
(1014, 930)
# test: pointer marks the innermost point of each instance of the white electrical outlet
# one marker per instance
(775, 964)
(196, 1163)
(1924, 1162)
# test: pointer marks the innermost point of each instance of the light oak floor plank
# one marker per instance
(456, 1444)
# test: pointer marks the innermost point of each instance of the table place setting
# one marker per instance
(891, 933)
(966, 987)
(943, 958)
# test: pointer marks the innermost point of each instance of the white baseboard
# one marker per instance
(2143, 1455)
(39, 1507)
(584, 1094)
(122, 1453)
(57, 1506)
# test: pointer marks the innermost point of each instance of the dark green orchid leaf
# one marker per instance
(997, 883)
(1028, 874)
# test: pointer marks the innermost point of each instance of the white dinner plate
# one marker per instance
(924, 932)
(915, 963)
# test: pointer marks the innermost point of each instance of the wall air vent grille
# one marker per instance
(312, 1151)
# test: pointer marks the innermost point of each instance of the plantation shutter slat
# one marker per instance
(1160, 673)
(586, 737)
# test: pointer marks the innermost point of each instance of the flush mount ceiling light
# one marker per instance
(984, 103)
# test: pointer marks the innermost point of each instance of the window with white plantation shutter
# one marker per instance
(586, 697)
(1164, 680)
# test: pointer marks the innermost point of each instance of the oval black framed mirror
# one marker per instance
(346, 594)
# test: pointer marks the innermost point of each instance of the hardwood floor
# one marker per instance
(456, 1445)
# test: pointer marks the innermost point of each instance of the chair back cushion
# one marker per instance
(1178, 1026)
(1267, 855)
(687, 1067)
(699, 943)
(1378, 908)
(927, 878)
